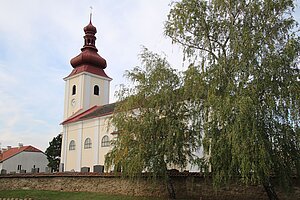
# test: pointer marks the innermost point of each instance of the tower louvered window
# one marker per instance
(96, 90)
(74, 90)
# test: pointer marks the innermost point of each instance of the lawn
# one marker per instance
(57, 195)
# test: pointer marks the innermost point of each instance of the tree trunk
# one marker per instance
(170, 188)
(270, 190)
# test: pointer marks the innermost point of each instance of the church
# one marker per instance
(86, 131)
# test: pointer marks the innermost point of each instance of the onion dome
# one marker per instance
(88, 58)
(90, 29)
(89, 55)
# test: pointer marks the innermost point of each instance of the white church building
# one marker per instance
(86, 134)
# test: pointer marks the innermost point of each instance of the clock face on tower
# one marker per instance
(73, 102)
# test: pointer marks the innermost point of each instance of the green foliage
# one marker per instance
(53, 153)
(244, 79)
(152, 121)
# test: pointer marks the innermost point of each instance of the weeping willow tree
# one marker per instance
(151, 118)
(244, 77)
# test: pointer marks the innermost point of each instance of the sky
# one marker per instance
(38, 39)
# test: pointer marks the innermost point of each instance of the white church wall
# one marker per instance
(87, 153)
(106, 128)
(103, 97)
(66, 100)
(73, 157)
(95, 129)
(72, 101)
(97, 139)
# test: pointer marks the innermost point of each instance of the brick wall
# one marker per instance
(186, 186)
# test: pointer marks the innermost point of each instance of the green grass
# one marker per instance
(57, 195)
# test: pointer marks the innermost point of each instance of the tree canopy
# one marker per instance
(241, 92)
(53, 153)
(245, 77)
(153, 130)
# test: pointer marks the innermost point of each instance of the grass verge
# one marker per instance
(58, 195)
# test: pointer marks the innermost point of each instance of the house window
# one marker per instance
(105, 141)
(96, 90)
(72, 145)
(19, 167)
(74, 90)
(88, 143)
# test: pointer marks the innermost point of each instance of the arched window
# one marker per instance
(72, 145)
(88, 143)
(74, 90)
(105, 141)
(96, 90)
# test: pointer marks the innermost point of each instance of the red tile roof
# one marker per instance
(15, 150)
(90, 69)
(93, 112)
(77, 117)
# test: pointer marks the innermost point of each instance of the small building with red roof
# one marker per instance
(22, 159)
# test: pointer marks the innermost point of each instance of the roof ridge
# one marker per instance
(16, 150)
(97, 111)
(78, 115)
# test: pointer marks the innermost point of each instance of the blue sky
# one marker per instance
(38, 39)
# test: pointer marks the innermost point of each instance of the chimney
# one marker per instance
(20, 145)
(8, 147)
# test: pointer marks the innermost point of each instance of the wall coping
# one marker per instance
(91, 174)
(105, 175)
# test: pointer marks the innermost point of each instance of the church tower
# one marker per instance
(87, 85)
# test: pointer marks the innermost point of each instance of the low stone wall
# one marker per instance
(15, 199)
(187, 186)
(90, 182)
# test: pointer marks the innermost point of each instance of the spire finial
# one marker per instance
(91, 12)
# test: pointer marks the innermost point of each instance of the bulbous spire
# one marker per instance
(90, 29)
(89, 55)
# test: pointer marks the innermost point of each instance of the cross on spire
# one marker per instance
(91, 13)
